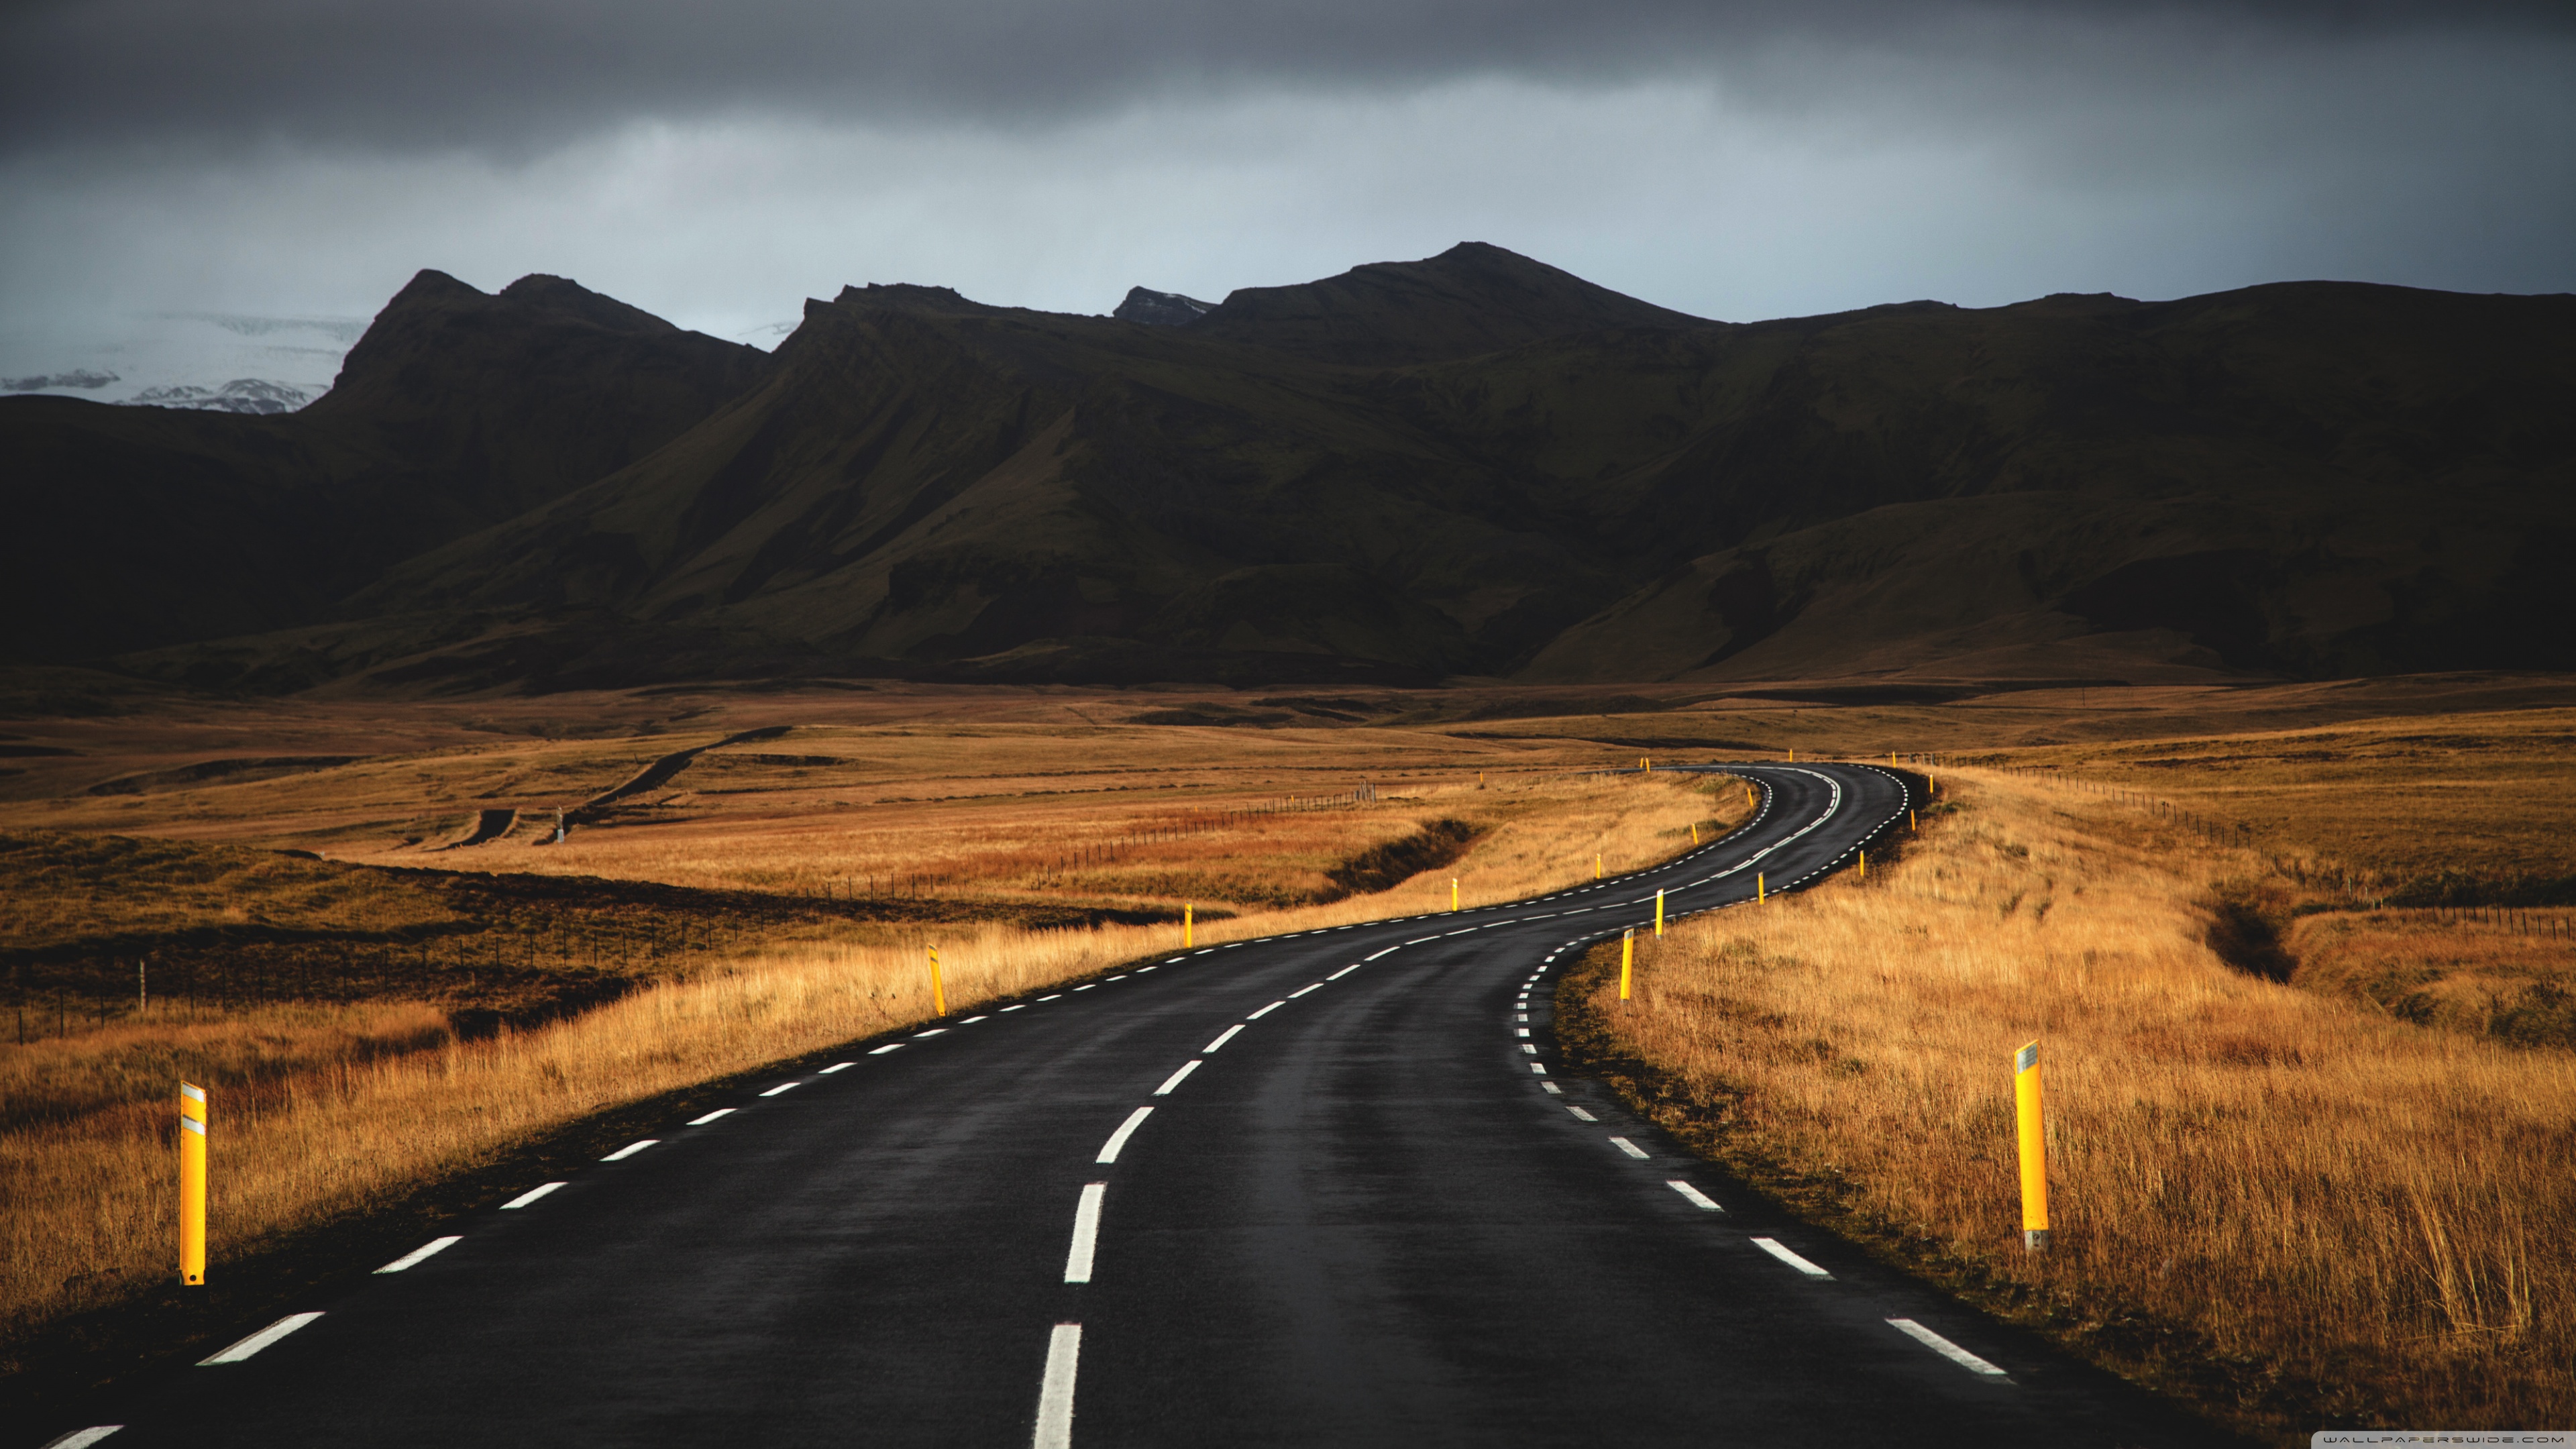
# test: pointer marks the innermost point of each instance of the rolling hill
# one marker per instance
(1473, 465)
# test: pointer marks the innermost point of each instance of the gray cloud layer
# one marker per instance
(516, 76)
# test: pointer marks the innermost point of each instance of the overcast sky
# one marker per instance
(716, 163)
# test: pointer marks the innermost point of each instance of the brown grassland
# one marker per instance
(2296, 952)
(2293, 1208)
(370, 1025)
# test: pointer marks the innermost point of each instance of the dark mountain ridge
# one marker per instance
(1470, 465)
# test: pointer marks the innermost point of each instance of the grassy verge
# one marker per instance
(2296, 1212)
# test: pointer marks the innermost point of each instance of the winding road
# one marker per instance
(1329, 1188)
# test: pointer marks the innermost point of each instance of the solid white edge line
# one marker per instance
(1772, 1246)
(81, 1438)
(531, 1195)
(1055, 1391)
(1345, 971)
(1222, 1038)
(1694, 1196)
(711, 1116)
(430, 1249)
(629, 1150)
(1946, 1348)
(1302, 990)
(1174, 1079)
(1265, 1011)
(1086, 1233)
(782, 1088)
(1388, 951)
(1126, 1129)
(259, 1340)
(1631, 1148)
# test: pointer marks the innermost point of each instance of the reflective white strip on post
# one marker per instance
(191, 1124)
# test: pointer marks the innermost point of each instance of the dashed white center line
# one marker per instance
(1223, 1037)
(711, 1116)
(425, 1251)
(835, 1067)
(1086, 1233)
(1538, 1067)
(1551, 1089)
(1520, 1016)
(1345, 971)
(782, 1087)
(1529, 1047)
(531, 1195)
(970, 1021)
(1052, 996)
(1126, 1129)
(1945, 1348)
(259, 1340)
(629, 1150)
(1086, 986)
(1017, 1006)
(1631, 1148)
(1521, 1030)
(1694, 1196)
(1055, 1391)
(1121, 976)
(1202, 951)
(1388, 951)
(1175, 1078)
(1580, 1114)
(1772, 1246)
(1422, 942)
(1302, 990)
(1141, 970)
(1265, 1011)
(892, 1046)
(83, 1438)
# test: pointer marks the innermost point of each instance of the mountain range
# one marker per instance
(1474, 465)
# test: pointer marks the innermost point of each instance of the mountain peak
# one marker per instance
(1161, 309)
(562, 294)
(1473, 298)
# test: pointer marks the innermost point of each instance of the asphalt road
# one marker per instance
(1321, 1189)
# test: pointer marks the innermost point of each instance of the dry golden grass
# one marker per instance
(2505, 974)
(2354, 1216)
(303, 1134)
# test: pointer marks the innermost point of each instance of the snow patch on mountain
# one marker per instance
(223, 361)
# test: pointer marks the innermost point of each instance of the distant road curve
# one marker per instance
(1326, 1188)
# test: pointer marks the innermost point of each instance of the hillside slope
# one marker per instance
(1470, 465)
(136, 526)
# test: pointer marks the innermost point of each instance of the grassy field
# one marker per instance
(2300, 954)
(367, 1028)
(2278, 1202)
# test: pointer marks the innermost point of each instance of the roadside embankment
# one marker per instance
(2287, 1206)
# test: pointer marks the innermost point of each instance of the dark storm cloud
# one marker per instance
(521, 75)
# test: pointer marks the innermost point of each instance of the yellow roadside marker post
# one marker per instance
(938, 996)
(1627, 960)
(1596, 867)
(2034, 1150)
(192, 1184)
(1694, 832)
(1659, 913)
(1793, 754)
(1911, 824)
(1759, 895)
(1864, 865)
(1453, 895)
(1189, 925)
